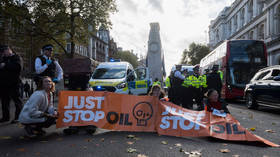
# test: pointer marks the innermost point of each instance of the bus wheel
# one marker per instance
(250, 102)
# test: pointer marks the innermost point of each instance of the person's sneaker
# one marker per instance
(14, 121)
(2, 120)
(29, 131)
(71, 131)
(39, 131)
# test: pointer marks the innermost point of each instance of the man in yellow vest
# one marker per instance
(195, 88)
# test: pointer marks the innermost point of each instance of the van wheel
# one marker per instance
(251, 102)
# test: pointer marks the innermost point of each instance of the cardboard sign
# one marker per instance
(121, 112)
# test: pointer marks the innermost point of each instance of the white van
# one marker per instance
(120, 77)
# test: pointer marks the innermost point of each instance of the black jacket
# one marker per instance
(214, 81)
(10, 73)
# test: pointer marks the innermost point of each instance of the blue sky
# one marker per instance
(181, 22)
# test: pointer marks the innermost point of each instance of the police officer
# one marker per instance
(176, 84)
(196, 87)
(214, 80)
(45, 65)
(10, 69)
(186, 92)
(167, 84)
(203, 82)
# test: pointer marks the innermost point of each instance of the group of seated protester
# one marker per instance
(211, 101)
(39, 112)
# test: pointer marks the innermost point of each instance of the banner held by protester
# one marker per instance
(121, 112)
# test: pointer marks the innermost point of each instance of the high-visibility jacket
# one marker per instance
(221, 74)
(195, 82)
(203, 81)
(167, 82)
(156, 83)
(187, 82)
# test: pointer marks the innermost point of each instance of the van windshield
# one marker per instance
(109, 73)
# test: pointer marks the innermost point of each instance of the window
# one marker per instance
(278, 19)
(262, 75)
(275, 72)
(235, 23)
(68, 47)
(242, 17)
(229, 27)
(250, 10)
(261, 32)
(251, 35)
(260, 6)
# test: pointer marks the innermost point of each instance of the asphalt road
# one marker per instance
(105, 143)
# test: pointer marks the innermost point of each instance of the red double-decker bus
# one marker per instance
(239, 60)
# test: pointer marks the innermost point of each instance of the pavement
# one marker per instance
(103, 143)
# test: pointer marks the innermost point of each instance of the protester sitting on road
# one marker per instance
(39, 112)
(157, 91)
(213, 102)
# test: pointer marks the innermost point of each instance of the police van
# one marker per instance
(120, 77)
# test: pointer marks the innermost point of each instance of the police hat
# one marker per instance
(196, 67)
(48, 47)
(215, 67)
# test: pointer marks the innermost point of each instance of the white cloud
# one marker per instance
(181, 22)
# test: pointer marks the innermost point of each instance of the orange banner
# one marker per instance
(107, 110)
(120, 112)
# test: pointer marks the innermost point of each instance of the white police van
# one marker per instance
(120, 77)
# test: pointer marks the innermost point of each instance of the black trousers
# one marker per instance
(8, 94)
(46, 124)
(197, 94)
(187, 98)
(177, 95)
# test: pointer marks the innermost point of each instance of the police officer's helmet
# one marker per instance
(48, 47)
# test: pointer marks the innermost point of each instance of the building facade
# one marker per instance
(249, 19)
(100, 46)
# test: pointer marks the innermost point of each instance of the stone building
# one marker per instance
(249, 19)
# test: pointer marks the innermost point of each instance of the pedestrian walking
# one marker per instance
(214, 80)
(45, 65)
(26, 88)
(39, 111)
(10, 69)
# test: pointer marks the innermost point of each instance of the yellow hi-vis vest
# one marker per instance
(167, 82)
(221, 74)
(156, 83)
(203, 81)
(195, 82)
(187, 82)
